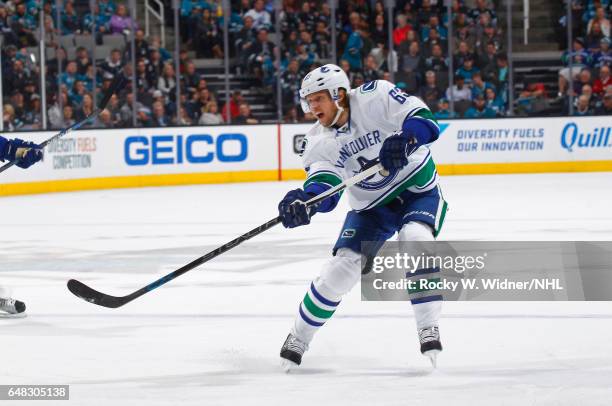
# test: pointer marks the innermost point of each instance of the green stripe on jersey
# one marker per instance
(324, 177)
(440, 218)
(427, 115)
(316, 310)
(421, 178)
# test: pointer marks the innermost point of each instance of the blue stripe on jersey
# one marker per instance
(424, 130)
(308, 320)
(320, 298)
(426, 299)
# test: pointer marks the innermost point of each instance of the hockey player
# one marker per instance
(27, 154)
(376, 121)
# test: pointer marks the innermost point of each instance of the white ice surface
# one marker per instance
(213, 335)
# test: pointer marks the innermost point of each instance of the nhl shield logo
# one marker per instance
(348, 233)
(299, 144)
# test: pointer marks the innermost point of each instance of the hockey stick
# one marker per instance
(90, 295)
(115, 84)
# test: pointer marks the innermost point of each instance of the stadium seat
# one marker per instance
(102, 52)
(114, 41)
(86, 41)
(50, 53)
(67, 41)
(71, 53)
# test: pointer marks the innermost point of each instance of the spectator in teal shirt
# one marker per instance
(352, 52)
(76, 93)
(501, 75)
(479, 109)
(443, 111)
(24, 24)
(493, 102)
(70, 22)
(187, 6)
(101, 21)
(479, 86)
(468, 70)
(354, 44)
(434, 22)
(107, 7)
(69, 77)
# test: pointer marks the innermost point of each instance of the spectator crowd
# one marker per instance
(419, 63)
(74, 84)
(586, 73)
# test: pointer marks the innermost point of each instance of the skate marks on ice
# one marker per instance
(288, 316)
(346, 377)
(247, 258)
(372, 359)
(40, 326)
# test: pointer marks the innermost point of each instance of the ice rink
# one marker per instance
(213, 335)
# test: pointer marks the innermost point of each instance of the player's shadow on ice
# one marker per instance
(398, 372)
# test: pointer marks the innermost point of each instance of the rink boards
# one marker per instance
(98, 159)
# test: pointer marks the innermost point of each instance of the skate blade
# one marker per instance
(13, 315)
(433, 357)
(287, 365)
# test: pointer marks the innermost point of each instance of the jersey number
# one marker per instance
(398, 95)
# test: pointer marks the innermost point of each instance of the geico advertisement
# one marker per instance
(107, 153)
(499, 140)
(140, 150)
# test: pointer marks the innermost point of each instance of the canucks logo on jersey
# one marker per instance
(368, 87)
(370, 183)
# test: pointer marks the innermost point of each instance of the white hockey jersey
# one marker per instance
(377, 110)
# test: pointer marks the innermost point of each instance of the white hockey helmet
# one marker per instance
(328, 77)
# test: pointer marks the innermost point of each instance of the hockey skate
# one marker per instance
(291, 352)
(10, 308)
(430, 343)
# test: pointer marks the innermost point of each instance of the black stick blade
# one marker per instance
(90, 295)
